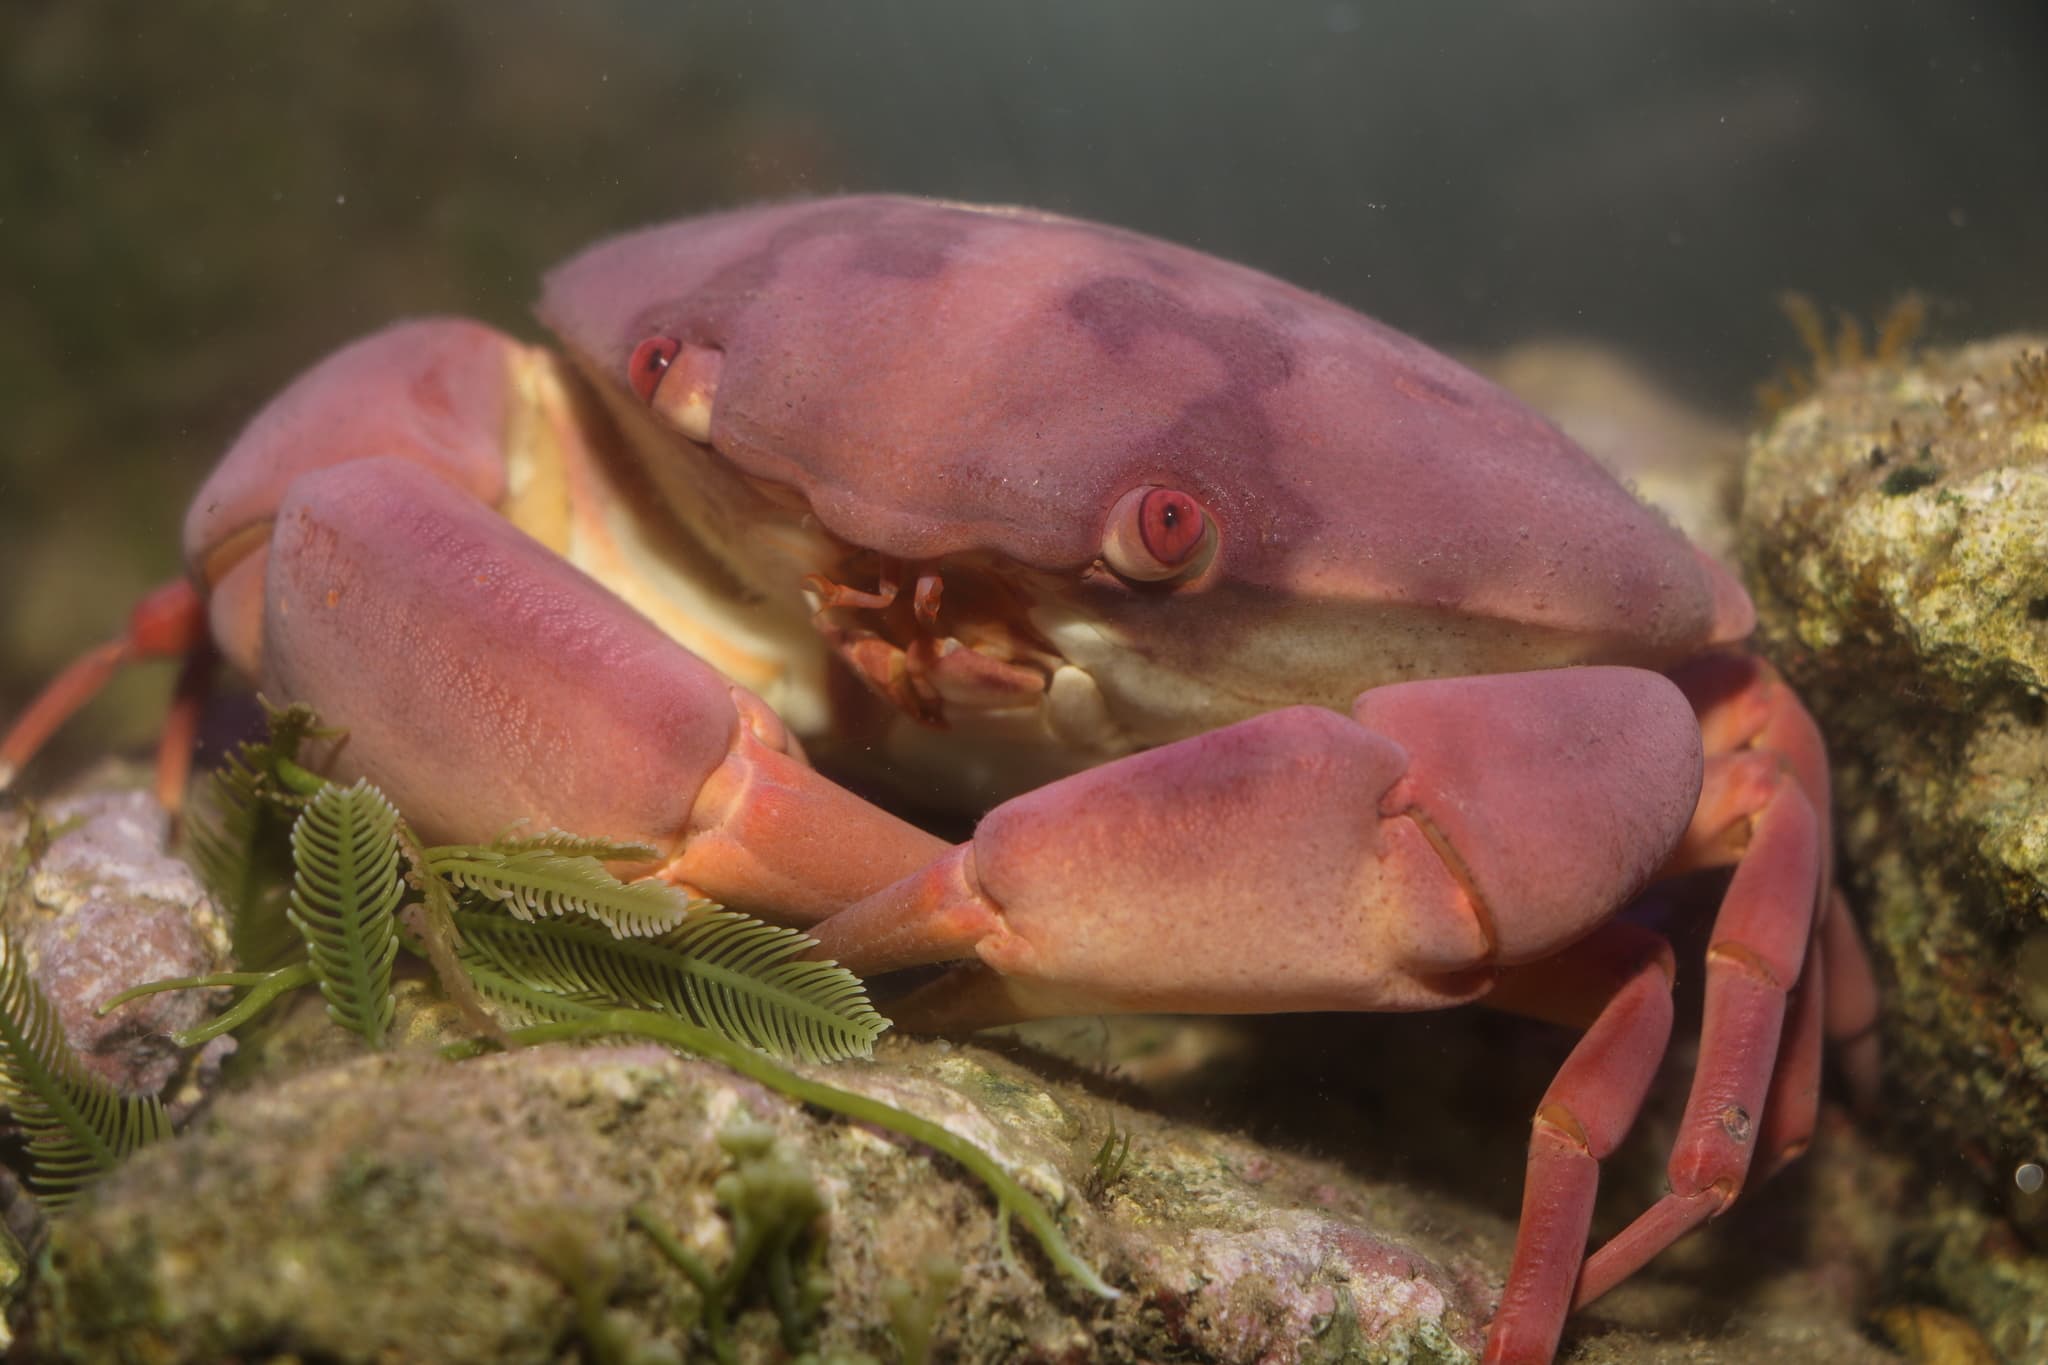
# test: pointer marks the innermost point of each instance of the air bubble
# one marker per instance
(2028, 1177)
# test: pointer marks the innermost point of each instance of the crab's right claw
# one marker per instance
(1303, 860)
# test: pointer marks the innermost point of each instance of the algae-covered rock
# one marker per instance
(403, 1207)
(1962, 1255)
(407, 1208)
(1896, 533)
(337, 1205)
(96, 904)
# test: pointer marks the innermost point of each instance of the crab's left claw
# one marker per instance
(1304, 860)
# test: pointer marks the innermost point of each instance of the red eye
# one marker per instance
(1171, 524)
(1157, 533)
(651, 359)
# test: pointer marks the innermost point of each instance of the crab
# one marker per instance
(1289, 665)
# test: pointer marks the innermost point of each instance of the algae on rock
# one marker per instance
(397, 1206)
(102, 908)
(392, 1204)
(1896, 536)
(1912, 615)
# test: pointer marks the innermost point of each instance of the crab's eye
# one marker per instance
(1157, 533)
(650, 361)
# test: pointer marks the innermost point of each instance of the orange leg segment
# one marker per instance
(1785, 972)
(1583, 1117)
(1849, 1013)
(1756, 1084)
(169, 622)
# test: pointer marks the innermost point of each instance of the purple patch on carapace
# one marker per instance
(1120, 309)
(915, 249)
(1227, 427)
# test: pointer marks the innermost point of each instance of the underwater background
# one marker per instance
(198, 201)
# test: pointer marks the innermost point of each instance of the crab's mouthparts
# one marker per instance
(934, 640)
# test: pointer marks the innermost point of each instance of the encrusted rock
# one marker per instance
(403, 1207)
(1896, 525)
(103, 908)
(1961, 1255)
(1896, 530)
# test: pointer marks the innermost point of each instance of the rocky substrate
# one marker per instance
(1895, 533)
(327, 1203)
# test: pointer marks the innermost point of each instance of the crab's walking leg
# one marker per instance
(174, 747)
(168, 623)
(1792, 1104)
(1850, 1012)
(1758, 806)
(1623, 973)
(1745, 709)
(1593, 1101)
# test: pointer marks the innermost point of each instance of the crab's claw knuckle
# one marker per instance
(1556, 795)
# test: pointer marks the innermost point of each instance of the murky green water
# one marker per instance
(198, 201)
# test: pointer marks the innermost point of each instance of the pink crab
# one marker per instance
(1294, 666)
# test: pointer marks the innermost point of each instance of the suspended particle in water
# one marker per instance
(2028, 1177)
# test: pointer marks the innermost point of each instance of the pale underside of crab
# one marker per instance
(1287, 664)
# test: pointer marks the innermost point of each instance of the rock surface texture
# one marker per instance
(402, 1207)
(331, 1204)
(96, 905)
(1896, 536)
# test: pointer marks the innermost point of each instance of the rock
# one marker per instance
(1896, 531)
(106, 907)
(1896, 526)
(397, 1206)
(404, 1207)
(1962, 1255)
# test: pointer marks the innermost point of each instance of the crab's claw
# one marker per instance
(1302, 860)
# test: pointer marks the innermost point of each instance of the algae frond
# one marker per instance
(78, 1126)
